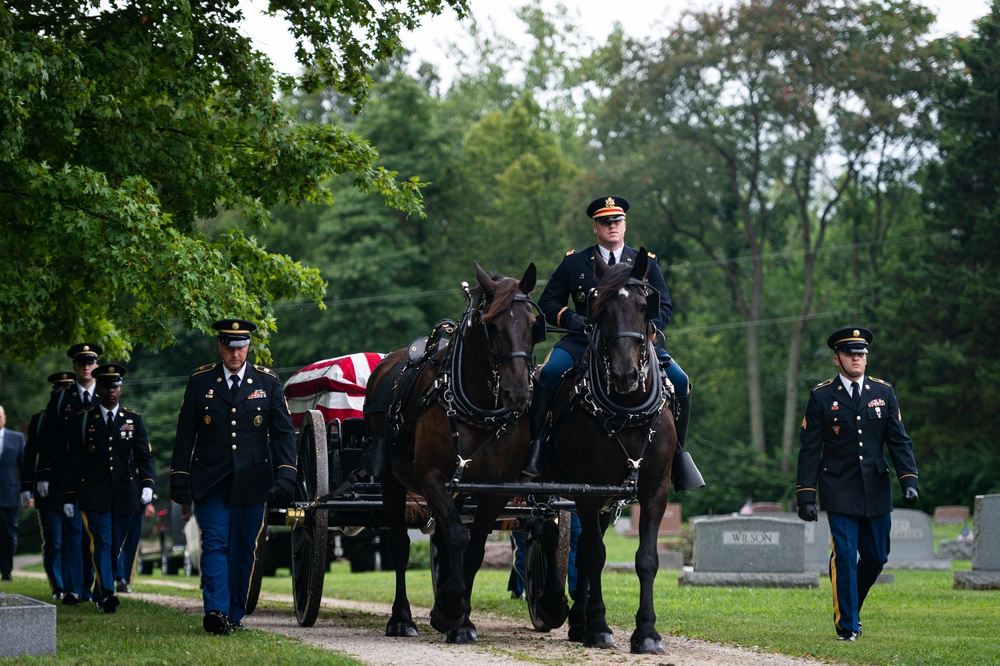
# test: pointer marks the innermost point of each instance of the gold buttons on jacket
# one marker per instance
(233, 435)
(234, 447)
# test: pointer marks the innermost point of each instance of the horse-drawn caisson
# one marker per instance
(442, 441)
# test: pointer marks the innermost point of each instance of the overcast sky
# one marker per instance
(639, 17)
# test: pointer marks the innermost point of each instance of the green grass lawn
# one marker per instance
(918, 619)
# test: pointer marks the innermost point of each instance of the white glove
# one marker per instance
(68, 510)
(25, 498)
(43, 488)
(147, 495)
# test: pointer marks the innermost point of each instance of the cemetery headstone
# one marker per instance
(985, 574)
(27, 627)
(912, 542)
(753, 551)
(951, 514)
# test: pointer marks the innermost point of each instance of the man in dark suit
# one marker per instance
(78, 571)
(108, 442)
(234, 450)
(49, 509)
(571, 283)
(849, 422)
(11, 459)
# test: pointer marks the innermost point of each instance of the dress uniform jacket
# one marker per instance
(219, 435)
(53, 453)
(571, 283)
(104, 477)
(33, 440)
(842, 450)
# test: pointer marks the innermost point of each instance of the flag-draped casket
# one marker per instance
(335, 387)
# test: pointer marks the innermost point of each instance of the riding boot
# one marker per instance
(683, 472)
(538, 417)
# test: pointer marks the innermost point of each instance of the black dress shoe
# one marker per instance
(70, 599)
(848, 637)
(110, 604)
(217, 623)
(237, 626)
(122, 587)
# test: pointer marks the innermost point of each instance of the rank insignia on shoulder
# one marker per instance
(651, 255)
(570, 252)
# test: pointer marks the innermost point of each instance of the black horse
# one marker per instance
(612, 426)
(455, 413)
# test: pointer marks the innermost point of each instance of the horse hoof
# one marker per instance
(462, 636)
(442, 623)
(603, 641)
(575, 634)
(648, 646)
(401, 628)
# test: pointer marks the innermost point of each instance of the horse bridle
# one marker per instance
(595, 334)
(454, 392)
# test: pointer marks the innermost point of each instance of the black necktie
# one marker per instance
(611, 258)
(856, 393)
(235, 379)
(86, 399)
(111, 420)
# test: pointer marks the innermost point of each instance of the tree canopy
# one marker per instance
(126, 126)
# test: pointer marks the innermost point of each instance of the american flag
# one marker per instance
(335, 387)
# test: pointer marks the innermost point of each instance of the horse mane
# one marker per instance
(614, 278)
(506, 288)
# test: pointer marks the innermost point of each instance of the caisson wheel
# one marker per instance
(309, 531)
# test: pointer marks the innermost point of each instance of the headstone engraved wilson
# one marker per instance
(750, 550)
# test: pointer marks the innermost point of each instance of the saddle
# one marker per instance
(396, 390)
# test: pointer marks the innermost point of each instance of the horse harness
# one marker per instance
(448, 387)
(589, 392)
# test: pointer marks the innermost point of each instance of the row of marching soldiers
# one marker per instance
(89, 469)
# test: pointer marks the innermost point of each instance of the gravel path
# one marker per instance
(502, 641)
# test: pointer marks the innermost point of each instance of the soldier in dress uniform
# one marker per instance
(105, 439)
(234, 451)
(849, 422)
(78, 571)
(572, 283)
(49, 509)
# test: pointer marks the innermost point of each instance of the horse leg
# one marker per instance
(394, 502)
(487, 510)
(591, 556)
(551, 607)
(645, 639)
(450, 600)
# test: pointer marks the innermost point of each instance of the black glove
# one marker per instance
(280, 494)
(577, 323)
(807, 512)
(180, 494)
(910, 496)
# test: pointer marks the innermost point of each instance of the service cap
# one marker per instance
(853, 340)
(85, 352)
(608, 209)
(109, 374)
(234, 332)
(61, 379)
